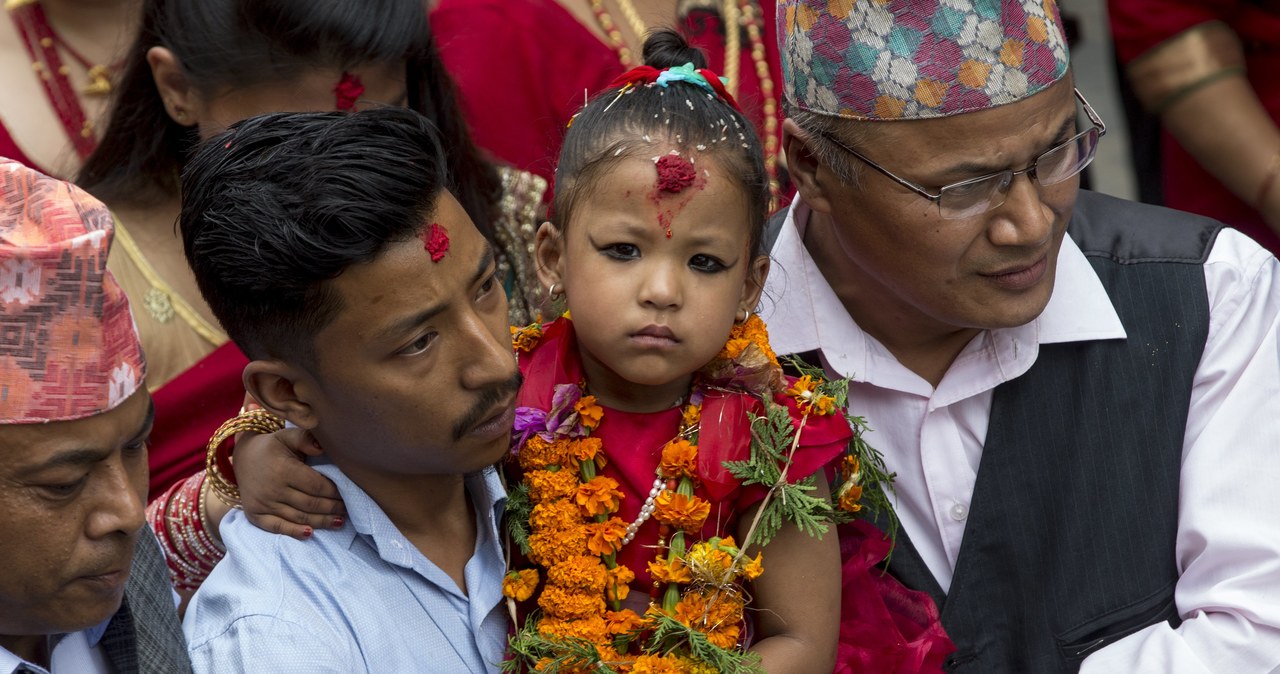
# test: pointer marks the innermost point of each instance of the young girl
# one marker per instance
(656, 439)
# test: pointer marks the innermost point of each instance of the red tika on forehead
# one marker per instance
(674, 173)
(435, 240)
(347, 91)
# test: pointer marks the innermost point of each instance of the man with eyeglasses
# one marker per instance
(1080, 396)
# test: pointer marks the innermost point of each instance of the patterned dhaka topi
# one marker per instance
(915, 59)
(68, 345)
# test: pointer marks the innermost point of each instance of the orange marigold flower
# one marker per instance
(805, 392)
(599, 496)
(589, 413)
(605, 537)
(619, 583)
(684, 512)
(691, 415)
(679, 459)
(536, 453)
(593, 628)
(524, 339)
(581, 573)
(658, 664)
(584, 449)
(570, 604)
(717, 614)
(548, 548)
(555, 515)
(519, 585)
(709, 563)
(670, 571)
(624, 621)
(849, 497)
(753, 568)
(546, 485)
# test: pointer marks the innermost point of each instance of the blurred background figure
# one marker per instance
(524, 67)
(1206, 70)
(59, 61)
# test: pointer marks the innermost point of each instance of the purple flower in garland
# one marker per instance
(561, 421)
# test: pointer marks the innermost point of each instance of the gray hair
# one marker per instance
(817, 127)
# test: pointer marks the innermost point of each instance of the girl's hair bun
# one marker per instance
(665, 48)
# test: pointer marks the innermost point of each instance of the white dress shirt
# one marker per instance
(75, 653)
(1228, 539)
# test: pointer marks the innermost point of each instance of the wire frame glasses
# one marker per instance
(976, 196)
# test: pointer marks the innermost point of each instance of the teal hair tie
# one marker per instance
(686, 73)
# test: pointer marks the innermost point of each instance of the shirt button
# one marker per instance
(959, 512)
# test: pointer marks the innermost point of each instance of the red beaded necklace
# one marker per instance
(42, 45)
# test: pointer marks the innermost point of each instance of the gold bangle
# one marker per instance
(224, 484)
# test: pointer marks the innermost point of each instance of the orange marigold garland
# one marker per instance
(566, 523)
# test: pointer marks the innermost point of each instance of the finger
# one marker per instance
(280, 526)
(309, 445)
(304, 501)
(311, 484)
(298, 441)
(306, 519)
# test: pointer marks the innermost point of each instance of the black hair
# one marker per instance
(615, 125)
(224, 44)
(279, 204)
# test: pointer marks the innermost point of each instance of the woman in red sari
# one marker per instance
(1207, 69)
(199, 65)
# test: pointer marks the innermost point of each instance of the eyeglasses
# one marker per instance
(976, 196)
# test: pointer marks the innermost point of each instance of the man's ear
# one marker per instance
(812, 179)
(281, 389)
(548, 253)
(180, 100)
(754, 287)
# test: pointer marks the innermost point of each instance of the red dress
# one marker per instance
(885, 628)
(1139, 25)
(522, 68)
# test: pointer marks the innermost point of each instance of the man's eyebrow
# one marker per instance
(978, 169)
(409, 322)
(84, 456)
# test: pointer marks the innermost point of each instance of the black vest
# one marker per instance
(1069, 544)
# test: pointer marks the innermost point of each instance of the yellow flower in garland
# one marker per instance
(619, 583)
(810, 401)
(716, 613)
(569, 604)
(670, 571)
(605, 537)
(545, 485)
(849, 494)
(581, 573)
(679, 459)
(589, 413)
(625, 621)
(584, 449)
(680, 511)
(709, 563)
(690, 416)
(524, 339)
(600, 496)
(754, 568)
(519, 585)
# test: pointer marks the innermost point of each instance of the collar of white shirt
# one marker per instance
(804, 314)
(77, 652)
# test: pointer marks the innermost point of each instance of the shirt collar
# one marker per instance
(365, 517)
(806, 315)
(10, 662)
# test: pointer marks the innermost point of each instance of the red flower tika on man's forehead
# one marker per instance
(674, 173)
(347, 91)
(435, 240)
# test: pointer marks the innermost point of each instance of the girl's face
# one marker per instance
(653, 278)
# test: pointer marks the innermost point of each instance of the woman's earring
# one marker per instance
(742, 316)
(554, 292)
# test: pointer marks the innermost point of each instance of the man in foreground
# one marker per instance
(330, 249)
(1079, 395)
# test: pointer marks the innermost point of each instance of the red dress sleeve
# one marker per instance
(1139, 25)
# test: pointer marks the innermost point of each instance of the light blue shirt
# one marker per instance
(360, 599)
(77, 653)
